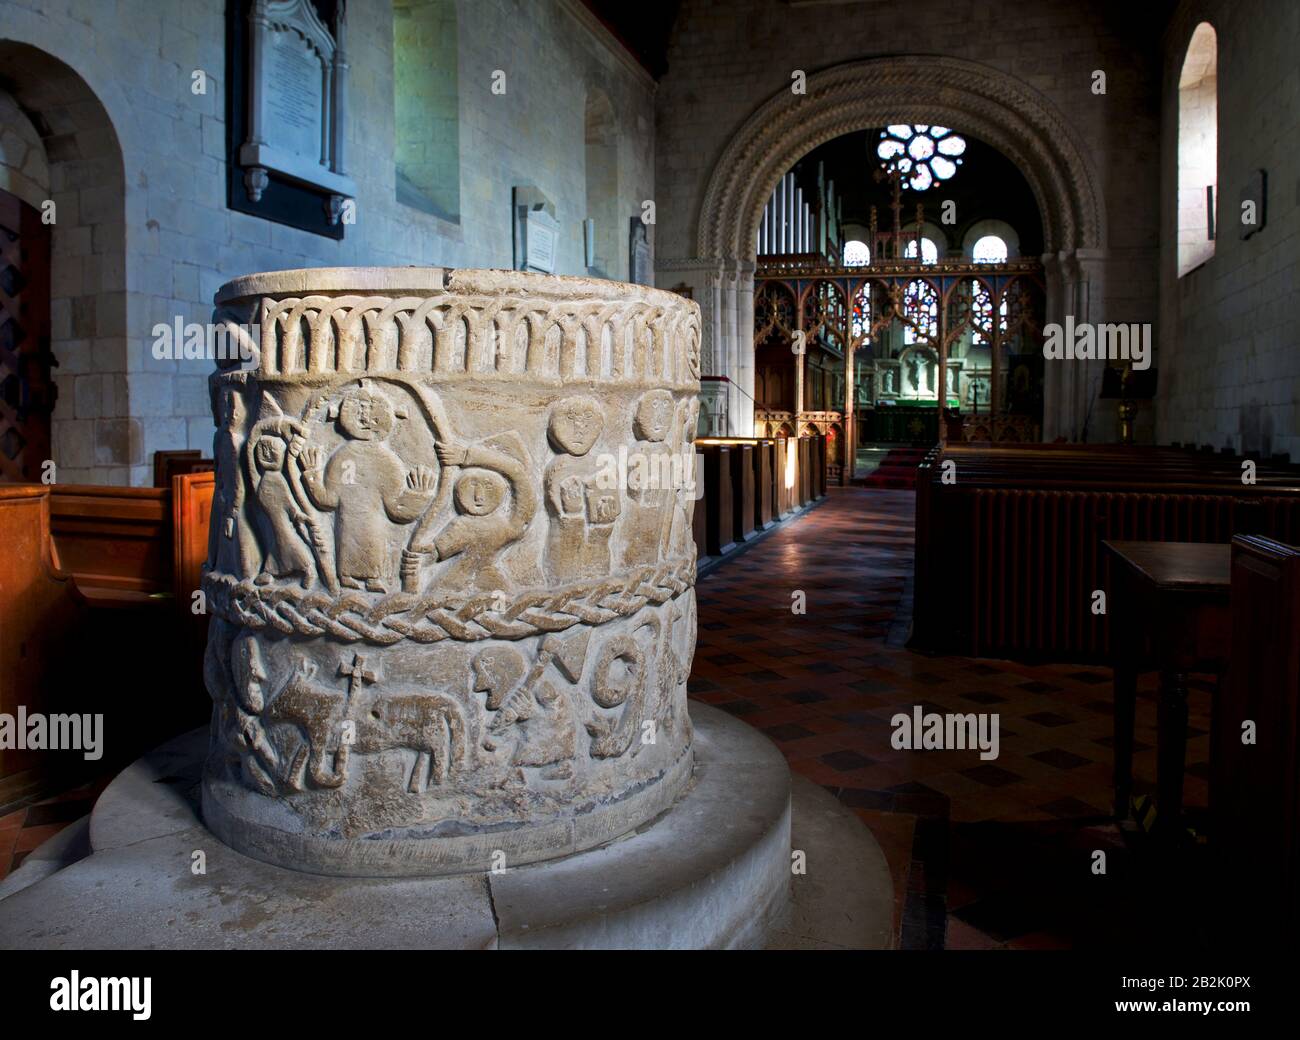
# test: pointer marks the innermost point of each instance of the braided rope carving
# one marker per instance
(431, 619)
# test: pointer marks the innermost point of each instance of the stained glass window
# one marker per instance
(862, 315)
(921, 307)
(925, 154)
(982, 308)
(856, 254)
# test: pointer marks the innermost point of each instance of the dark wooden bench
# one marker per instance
(89, 573)
(1009, 556)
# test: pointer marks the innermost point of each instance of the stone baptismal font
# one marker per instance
(451, 569)
(451, 594)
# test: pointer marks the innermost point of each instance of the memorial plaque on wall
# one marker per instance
(286, 107)
(537, 230)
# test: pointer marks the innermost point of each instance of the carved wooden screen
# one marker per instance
(26, 391)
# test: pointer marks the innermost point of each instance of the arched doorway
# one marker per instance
(70, 186)
(989, 104)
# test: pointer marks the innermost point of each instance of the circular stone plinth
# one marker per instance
(713, 871)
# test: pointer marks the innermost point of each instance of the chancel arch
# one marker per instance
(986, 103)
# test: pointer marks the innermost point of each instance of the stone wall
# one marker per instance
(1229, 366)
(137, 58)
(728, 57)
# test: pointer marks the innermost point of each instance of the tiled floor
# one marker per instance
(24, 829)
(983, 854)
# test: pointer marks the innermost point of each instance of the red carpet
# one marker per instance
(896, 470)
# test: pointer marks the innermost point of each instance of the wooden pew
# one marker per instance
(764, 487)
(88, 572)
(116, 541)
(1255, 787)
(40, 612)
(1008, 554)
(719, 493)
(742, 491)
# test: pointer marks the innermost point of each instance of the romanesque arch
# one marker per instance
(982, 101)
(93, 438)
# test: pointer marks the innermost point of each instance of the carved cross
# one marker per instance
(358, 674)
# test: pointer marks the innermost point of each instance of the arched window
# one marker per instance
(426, 102)
(989, 250)
(921, 306)
(861, 323)
(982, 314)
(929, 251)
(1198, 149)
(856, 254)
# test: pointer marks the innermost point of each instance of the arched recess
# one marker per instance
(1198, 144)
(990, 226)
(93, 436)
(983, 102)
(601, 139)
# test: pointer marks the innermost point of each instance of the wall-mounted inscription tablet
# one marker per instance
(289, 99)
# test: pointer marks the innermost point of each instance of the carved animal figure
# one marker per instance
(317, 713)
(429, 724)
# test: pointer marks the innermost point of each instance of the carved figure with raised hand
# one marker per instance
(367, 486)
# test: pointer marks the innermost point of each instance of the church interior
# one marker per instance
(971, 622)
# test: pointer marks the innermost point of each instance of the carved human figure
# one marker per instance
(530, 705)
(367, 486)
(495, 500)
(650, 478)
(582, 512)
(680, 540)
(238, 713)
(231, 544)
(284, 526)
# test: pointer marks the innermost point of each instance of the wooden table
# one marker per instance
(1168, 605)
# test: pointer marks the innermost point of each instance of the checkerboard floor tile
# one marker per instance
(984, 854)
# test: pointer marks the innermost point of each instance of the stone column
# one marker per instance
(1075, 285)
(850, 416)
(745, 346)
(452, 567)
